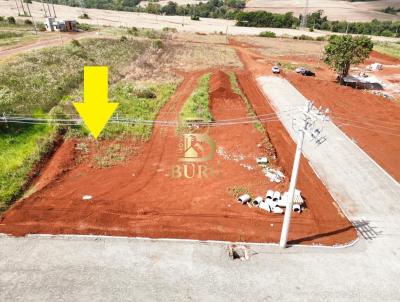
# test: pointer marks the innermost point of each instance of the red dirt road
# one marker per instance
(373, 122)
(141, 198)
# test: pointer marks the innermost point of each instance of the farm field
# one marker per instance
(164, 76)
(333, 9)
(112, 18)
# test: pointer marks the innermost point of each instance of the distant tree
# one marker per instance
(343, 51)
(170, 8)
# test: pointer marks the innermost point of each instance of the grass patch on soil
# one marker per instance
(197, 106)
(38, 82)
(249, 107)
(21, 147)
(112, 155)
(135, 103)
(387, 48)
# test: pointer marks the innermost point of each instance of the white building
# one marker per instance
(60, 25)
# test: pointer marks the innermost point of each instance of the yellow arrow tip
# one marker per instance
(95, 116)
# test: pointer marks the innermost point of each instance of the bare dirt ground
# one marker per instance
(373, 122)
(141, 198)
(334, 9)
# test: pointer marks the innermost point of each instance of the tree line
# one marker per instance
(233, 9)
(316, 20)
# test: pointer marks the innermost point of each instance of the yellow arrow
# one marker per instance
(95, 109)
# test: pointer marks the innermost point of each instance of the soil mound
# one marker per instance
(220, 87)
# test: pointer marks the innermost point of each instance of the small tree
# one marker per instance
(342, 51)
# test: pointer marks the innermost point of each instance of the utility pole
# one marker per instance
(23, 8)
(53, 9)
(48, 7)
(307, 125)
(304, 19)
(44, 8)
(16, 2)
(33, 20)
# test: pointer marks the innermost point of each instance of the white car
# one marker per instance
(300, 69)
(276, 69)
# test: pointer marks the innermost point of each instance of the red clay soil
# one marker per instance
(141, 198)
(377, 57)
(373, 122)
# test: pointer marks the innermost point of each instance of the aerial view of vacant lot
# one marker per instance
(183, 127)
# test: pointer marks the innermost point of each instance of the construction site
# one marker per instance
(216, 137)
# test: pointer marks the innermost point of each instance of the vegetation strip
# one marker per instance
(38, 83)
(197, 106)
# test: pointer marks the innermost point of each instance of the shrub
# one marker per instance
(11, 20)
(84, 16)
(145, 92)
(195, 18)
(320, 38)
(170, 29)
(28, 22)
(75, 43)
(133, 31)
(84, 26)
(123, 39)
(267, 34)
(303, 37)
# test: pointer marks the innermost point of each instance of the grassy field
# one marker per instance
(139, 103)
(391, 49)
(38, 81)
(20, 148)
(197, 106)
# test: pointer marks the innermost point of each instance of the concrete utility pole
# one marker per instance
(48, 7)
(44, 8)
(304, 19)
(16, 2)
(307, 125)
(23, 8)
(33, 20)
(53, 9)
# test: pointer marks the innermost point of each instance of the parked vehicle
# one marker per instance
(276, 69)
(305, 71)
(308, 73)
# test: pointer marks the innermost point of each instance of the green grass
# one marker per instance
(249, 107)
(39, 80)
(20, 148)
(135, 104)
(388, 48)
(197, 106)
(10, 34)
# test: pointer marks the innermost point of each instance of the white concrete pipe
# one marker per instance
(244, 198)
(296, 208)
(269, 195)
(257, 201)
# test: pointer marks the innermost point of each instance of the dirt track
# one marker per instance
(140, 198)
(58, 39)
